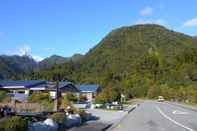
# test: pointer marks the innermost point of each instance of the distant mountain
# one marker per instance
(57, 60)
(76, 57)
(52, 60)
(14, 66)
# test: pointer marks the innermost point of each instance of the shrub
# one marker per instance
(15, 124)
(83, 115)
(42, 98)
(3, 95)
(58, 117)
(99, 99)
(83, 98)
(71, 97)
(39, 96)
(64, 102)
(105, 96)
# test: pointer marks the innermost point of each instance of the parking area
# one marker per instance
(106, 116)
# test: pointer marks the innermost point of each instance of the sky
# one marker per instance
(41, 28)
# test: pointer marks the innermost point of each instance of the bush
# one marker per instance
(58, 117)
(39, 96)
(99, 99)
(64, 102)
(3, 95)
(71, 97)
(106, 97)
(15, 124)
(42, 98)
(83, 115)
(83, 98)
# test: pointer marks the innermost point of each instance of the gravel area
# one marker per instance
(106, 116)
(105, 119)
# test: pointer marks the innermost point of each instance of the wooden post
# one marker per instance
(13, 101)
(56, 100)
(78, 97)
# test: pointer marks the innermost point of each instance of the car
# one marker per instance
(160, 99)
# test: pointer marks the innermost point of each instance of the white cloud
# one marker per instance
(150, 21)
(191, 23)
(37, 58)
(147, 11)
(24, 50)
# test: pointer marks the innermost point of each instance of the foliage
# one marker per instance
(43, 98)
(83, 98)
(58, 117)
(65, 103)
(15, 124)
(108, 95)
(84, 115)
(3, 95)
(39, 96)
(71, 97)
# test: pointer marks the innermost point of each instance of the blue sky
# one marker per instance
(64, 27)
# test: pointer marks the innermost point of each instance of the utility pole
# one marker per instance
(56, 100)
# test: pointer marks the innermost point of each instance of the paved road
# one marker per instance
(158, 116)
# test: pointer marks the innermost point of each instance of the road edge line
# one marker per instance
(188, 107)
(170, 119)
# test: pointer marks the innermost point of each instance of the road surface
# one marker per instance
(159, 116)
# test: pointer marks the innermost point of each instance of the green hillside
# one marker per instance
(57, 60)
(11, 67)
(139, 60)
(52, 60)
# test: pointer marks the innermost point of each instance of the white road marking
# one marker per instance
(177, 112)
(175, 122)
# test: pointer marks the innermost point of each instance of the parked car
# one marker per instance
(160, 99)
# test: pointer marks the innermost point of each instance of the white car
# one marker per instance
(160, 99)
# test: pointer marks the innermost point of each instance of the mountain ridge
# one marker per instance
(123, 51)
(15, 66)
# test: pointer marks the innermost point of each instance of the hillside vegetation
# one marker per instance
(139, 61)
(14, 66)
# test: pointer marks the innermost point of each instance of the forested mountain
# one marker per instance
(14, 66)
(50, 61)
(56, 60)
(139, 60)
(76, 57)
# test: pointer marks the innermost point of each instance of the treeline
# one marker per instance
(138, 61)
(150, 75)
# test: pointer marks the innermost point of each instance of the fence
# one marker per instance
(25, 107)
